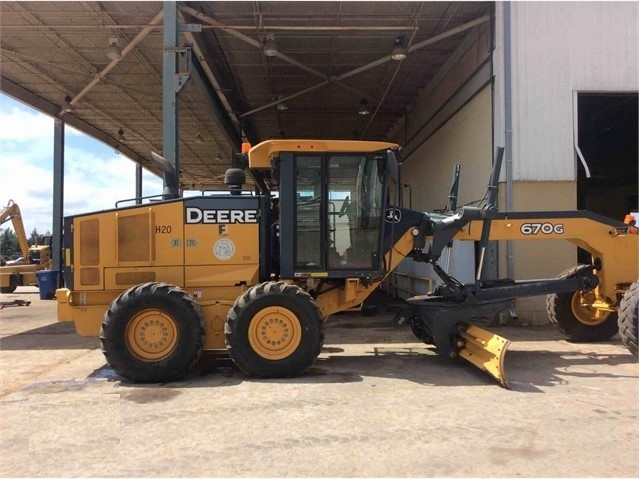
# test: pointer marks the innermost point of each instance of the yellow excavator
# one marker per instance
(36, 257)
(257, 274)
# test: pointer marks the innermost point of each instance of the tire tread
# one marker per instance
(628, 314)
(114, 324)
(244, 359)
(558, 307)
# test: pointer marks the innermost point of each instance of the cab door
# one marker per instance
(331, 214)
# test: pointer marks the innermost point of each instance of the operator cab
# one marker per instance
(332, 201)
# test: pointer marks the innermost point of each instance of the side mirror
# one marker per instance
(393, 166)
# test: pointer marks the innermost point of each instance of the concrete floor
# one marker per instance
(376, 403)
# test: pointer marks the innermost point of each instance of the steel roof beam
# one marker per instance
(415, 47)
(212, 91)
(125, 51)
(249, 40)
(291, 28)
(337, 79)
(215, 104)
(258, 45)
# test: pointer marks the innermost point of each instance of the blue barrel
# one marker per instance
(47, 282)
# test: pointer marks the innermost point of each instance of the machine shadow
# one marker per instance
(527, 371)
(53, 336)
(359, 348)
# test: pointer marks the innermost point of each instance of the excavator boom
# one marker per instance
(12, 212)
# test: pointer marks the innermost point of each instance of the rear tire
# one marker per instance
(153, 332)
(628, 313)
(576, 321)
(274, 330)
(7, 289)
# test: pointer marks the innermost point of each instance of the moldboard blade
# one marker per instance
(486, 351)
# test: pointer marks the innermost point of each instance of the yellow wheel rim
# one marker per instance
(152, 335)
(275, 333)
(581, 305)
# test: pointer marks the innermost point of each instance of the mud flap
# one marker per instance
(486, 351)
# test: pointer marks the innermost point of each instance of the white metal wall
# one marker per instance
(465, 139)
(559, 48)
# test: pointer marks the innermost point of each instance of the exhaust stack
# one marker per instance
(171, 188)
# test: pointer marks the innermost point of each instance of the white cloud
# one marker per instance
(21, 123)
(95, 175)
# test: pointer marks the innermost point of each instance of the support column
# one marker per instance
(138, 184)
(58, 193)
(170, 106)
(508, 130)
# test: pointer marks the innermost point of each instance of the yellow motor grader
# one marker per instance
(258, 274)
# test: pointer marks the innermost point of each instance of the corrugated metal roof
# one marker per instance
(49, 50)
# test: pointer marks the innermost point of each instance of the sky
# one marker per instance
(95, 175)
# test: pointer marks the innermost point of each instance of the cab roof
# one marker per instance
(261, 154)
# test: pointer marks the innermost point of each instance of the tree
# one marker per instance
(34, 238)
(8, 243)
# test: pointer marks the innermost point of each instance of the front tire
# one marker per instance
(274, 330)
(153, 332)
(571, 314)
(628, 313)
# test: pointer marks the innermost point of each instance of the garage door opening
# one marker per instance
(607, 134)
